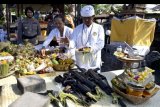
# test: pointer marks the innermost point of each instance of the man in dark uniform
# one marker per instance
(28, 28)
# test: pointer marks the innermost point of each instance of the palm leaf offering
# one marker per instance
(28, 61)
(3, 45)
(4, 68)
(136, 83)
(61, 62)
(6, 60)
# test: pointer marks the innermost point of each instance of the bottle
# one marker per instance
(119, 48)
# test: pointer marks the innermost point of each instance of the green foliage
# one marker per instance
(104, 8)
(66, 8)
(2, 19)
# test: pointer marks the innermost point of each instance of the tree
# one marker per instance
(2, 18)
(67, 8)
(102, 8)
(105, 8)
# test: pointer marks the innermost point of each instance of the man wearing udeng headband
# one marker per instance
(88, 37)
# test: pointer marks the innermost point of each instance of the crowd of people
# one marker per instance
(62, 30)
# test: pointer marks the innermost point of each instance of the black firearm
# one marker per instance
(98, 80)
(104, 85)
(86, 86)
(83, 80)
(79, 89)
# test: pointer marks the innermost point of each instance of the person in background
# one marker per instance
(69, 21)
(51, 24)
(88, 35)
(28, 28)
(61, 34)
(69, 18)
(37, 15)
(107, 34)
(3, 33)
(107, 39)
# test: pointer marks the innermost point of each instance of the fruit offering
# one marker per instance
(139, 77)
(61, 62)
(32, 65)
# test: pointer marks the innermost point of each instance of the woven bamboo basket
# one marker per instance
(134, 99)
(64, 67)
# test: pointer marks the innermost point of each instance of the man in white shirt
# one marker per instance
(90, 35)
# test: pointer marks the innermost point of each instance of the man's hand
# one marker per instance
(85, 49)
(43, 52)
(64, 41)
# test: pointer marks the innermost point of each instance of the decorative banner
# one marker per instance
(134, 31)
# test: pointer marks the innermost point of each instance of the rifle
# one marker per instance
(104, 85)
(83, 80)
(98, 80)
(77, 87)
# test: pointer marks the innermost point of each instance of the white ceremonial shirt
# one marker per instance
(92, 36)
(55, 33)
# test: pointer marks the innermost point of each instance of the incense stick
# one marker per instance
(129, 46)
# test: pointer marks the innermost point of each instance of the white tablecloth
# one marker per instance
(10, 92)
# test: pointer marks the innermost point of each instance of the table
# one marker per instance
(10, 92)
